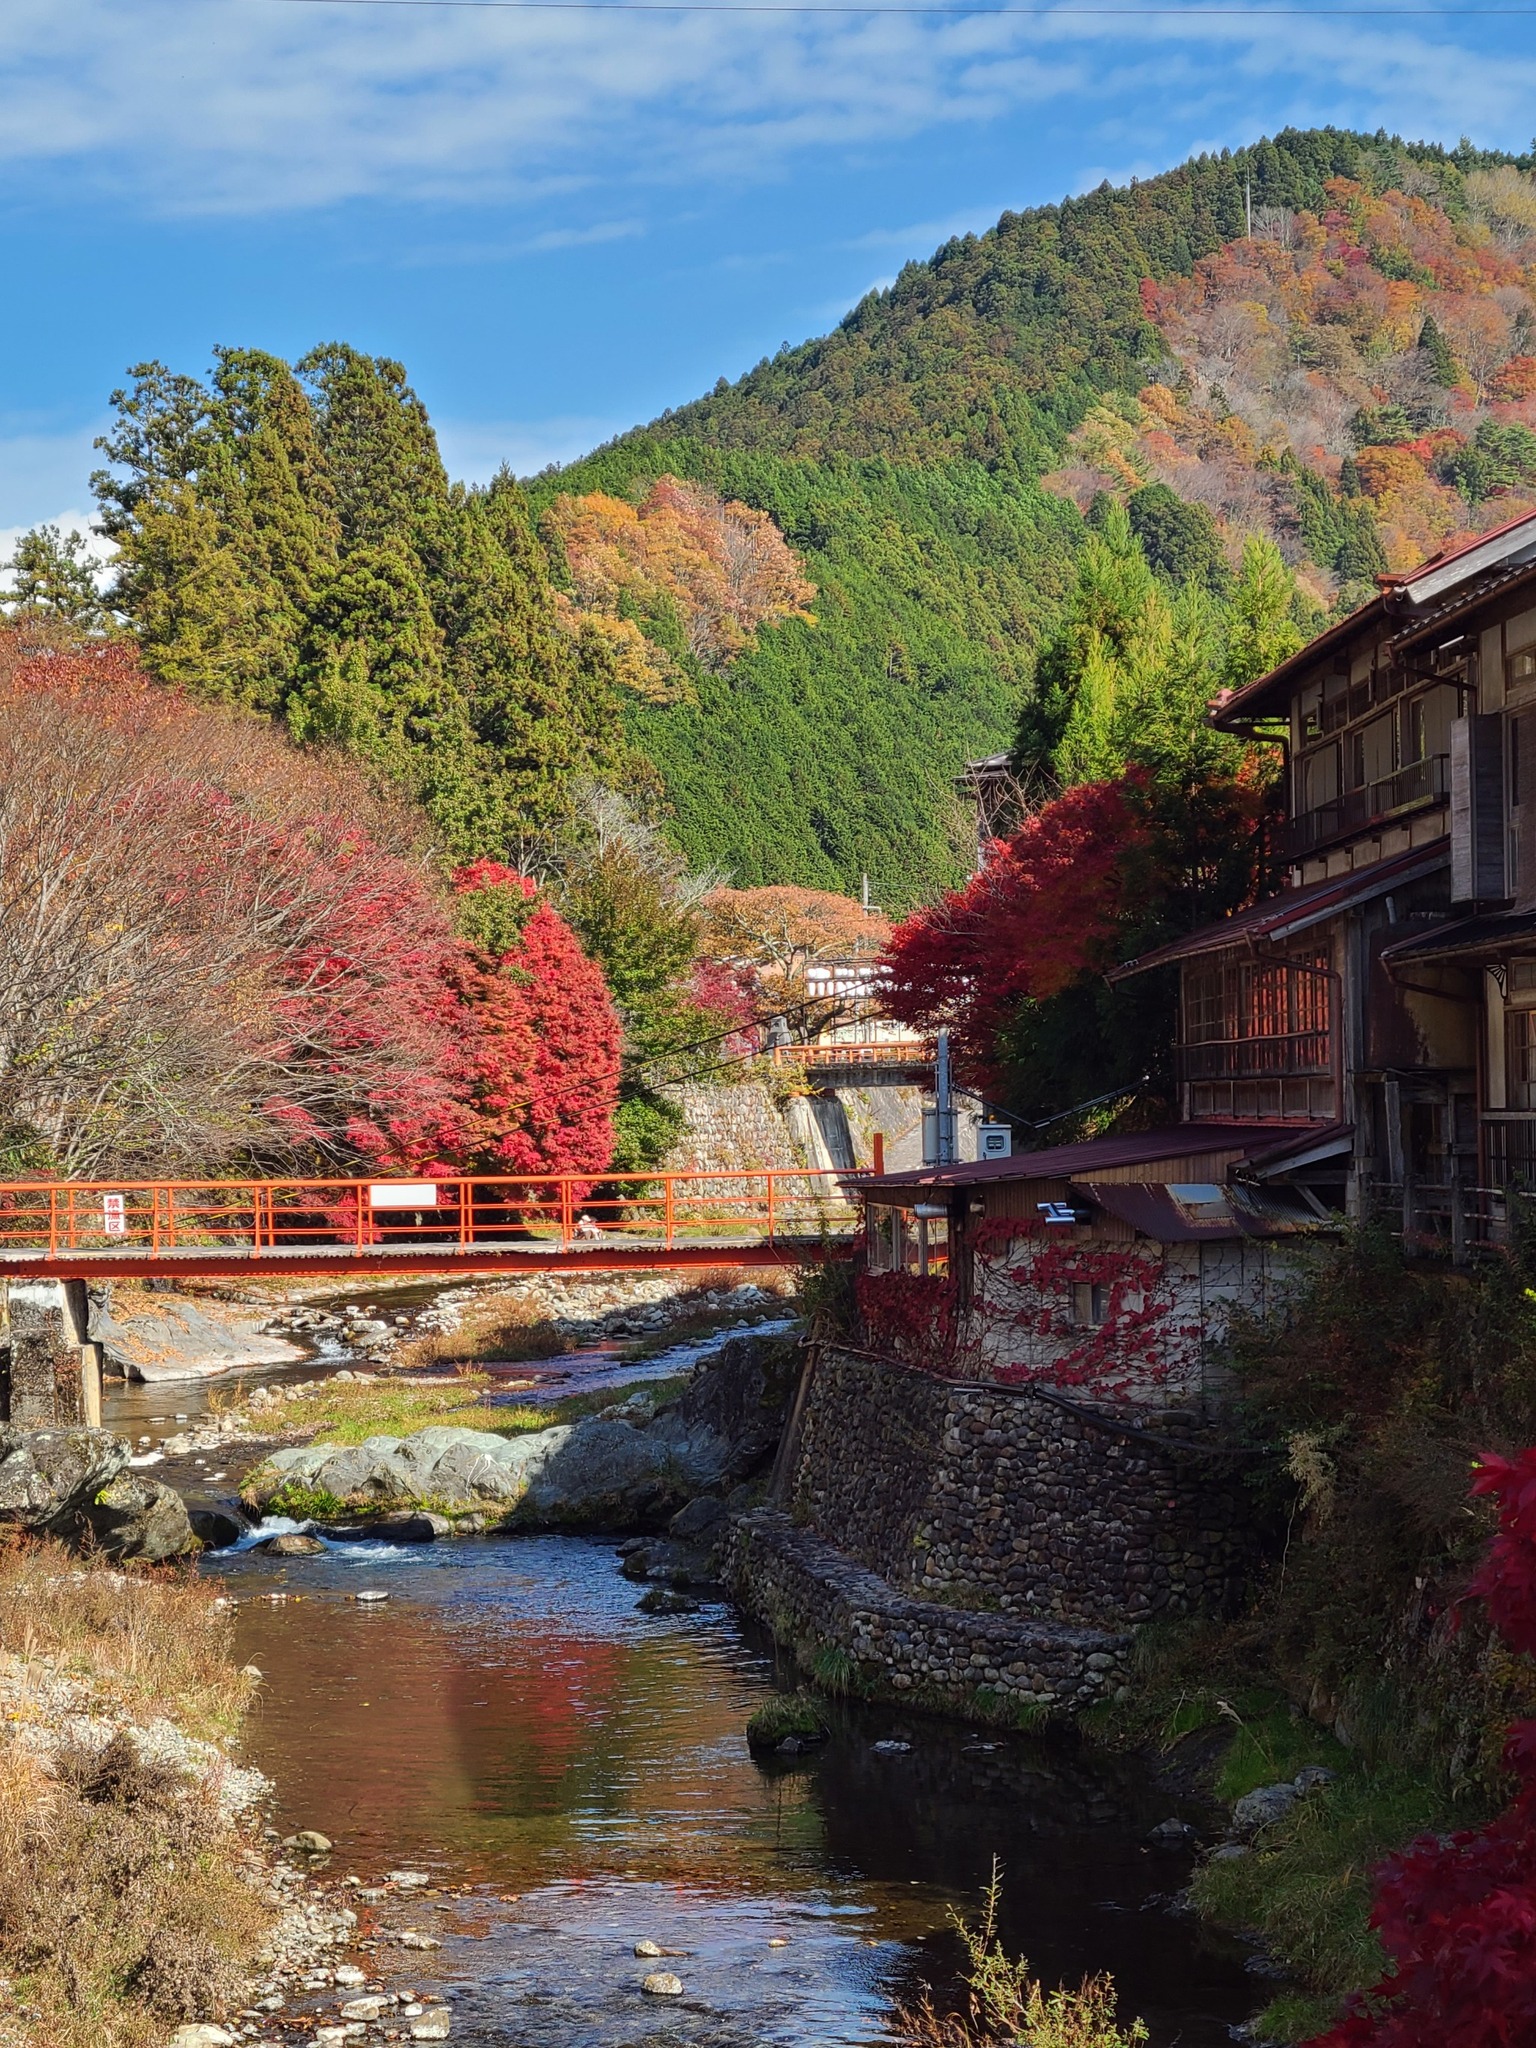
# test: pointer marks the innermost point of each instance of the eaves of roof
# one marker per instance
(1496, 558)
(1281, 917)
(1091, 1156)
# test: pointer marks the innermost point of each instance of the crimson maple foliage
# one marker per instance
(303, 981)
(1457, 1914)
(1045, 910)
(521, 1048)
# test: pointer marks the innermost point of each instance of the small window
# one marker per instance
(1201, 1201)
(1522, 981)
(1522, 666)
(1520, 1051)
(881, 1252)
(1090, 1304)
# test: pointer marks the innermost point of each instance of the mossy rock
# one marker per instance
(799, 1714)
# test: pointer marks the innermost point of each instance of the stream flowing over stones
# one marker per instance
(571, 1776)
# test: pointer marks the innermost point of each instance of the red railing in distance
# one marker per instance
(458, 1216)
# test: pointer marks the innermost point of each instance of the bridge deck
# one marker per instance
(311, 1228)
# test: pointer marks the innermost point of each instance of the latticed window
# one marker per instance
(1210, 1002)
(1258, 999)
(1520, 1035)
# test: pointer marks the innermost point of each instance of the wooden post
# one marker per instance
(879, 1159)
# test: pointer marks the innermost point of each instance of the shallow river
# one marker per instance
(508, 1720)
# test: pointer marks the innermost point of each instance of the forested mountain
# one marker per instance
(1134, 341)
(782, 617)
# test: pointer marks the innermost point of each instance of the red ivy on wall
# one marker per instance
(911, 1316)
(1143, 1340)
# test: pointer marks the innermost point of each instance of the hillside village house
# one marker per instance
(1363, 1038)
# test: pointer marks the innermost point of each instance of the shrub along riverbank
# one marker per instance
(1365, 1405)
(133, 1893)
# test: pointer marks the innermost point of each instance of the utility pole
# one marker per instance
(944, 1103)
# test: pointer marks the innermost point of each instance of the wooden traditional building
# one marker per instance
(1361, 1041)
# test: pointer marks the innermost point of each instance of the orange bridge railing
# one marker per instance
(288, 1225)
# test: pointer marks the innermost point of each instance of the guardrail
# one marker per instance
(458, 1216)
(908, 1052)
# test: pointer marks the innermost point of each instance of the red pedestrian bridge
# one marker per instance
(565, 1223)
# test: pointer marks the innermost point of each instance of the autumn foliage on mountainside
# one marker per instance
(1358, 382)
(696, 569)
(1457, 1914)
(213, 947)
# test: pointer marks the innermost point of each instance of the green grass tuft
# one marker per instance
(785, 1714)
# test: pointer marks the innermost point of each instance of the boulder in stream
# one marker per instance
(602, 1473)
(48, 1475)
(133, 1516)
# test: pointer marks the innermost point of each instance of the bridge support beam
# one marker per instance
(54, 1378)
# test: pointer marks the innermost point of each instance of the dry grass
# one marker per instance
(495, 1326)
(123, 1910)
(349, 1414)
(146, 1642)
(125, 1903)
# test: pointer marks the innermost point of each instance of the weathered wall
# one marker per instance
(740, 1128)
(1167, 1309)
(52, 1369)
(1011, 1308)
(992, 1497)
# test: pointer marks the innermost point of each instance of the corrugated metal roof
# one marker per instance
(1080, 1161)
(1467, 938)
(1293, 910)
(1173, 1213)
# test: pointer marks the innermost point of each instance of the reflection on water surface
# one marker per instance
(507, 1719)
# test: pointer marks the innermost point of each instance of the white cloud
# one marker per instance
(247, 105)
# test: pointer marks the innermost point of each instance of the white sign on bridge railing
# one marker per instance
(403, 1194)
(114, 1215)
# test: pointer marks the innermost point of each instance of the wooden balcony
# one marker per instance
(1280, 1075)
(1417, 787)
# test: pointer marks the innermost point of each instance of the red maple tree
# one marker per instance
(1457, 1913)
(1046, 909)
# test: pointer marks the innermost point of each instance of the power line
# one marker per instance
(961, 12)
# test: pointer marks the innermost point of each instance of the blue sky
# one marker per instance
(564, 221)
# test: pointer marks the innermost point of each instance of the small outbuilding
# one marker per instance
(1111, 1266)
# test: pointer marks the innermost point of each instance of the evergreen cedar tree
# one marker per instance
(1457, 1914)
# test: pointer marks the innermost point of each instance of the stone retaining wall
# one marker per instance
(981, 1549)
(993, 1497)
(980, 1665)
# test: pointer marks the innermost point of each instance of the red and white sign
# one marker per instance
(403, 1194)
(114, 1215)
